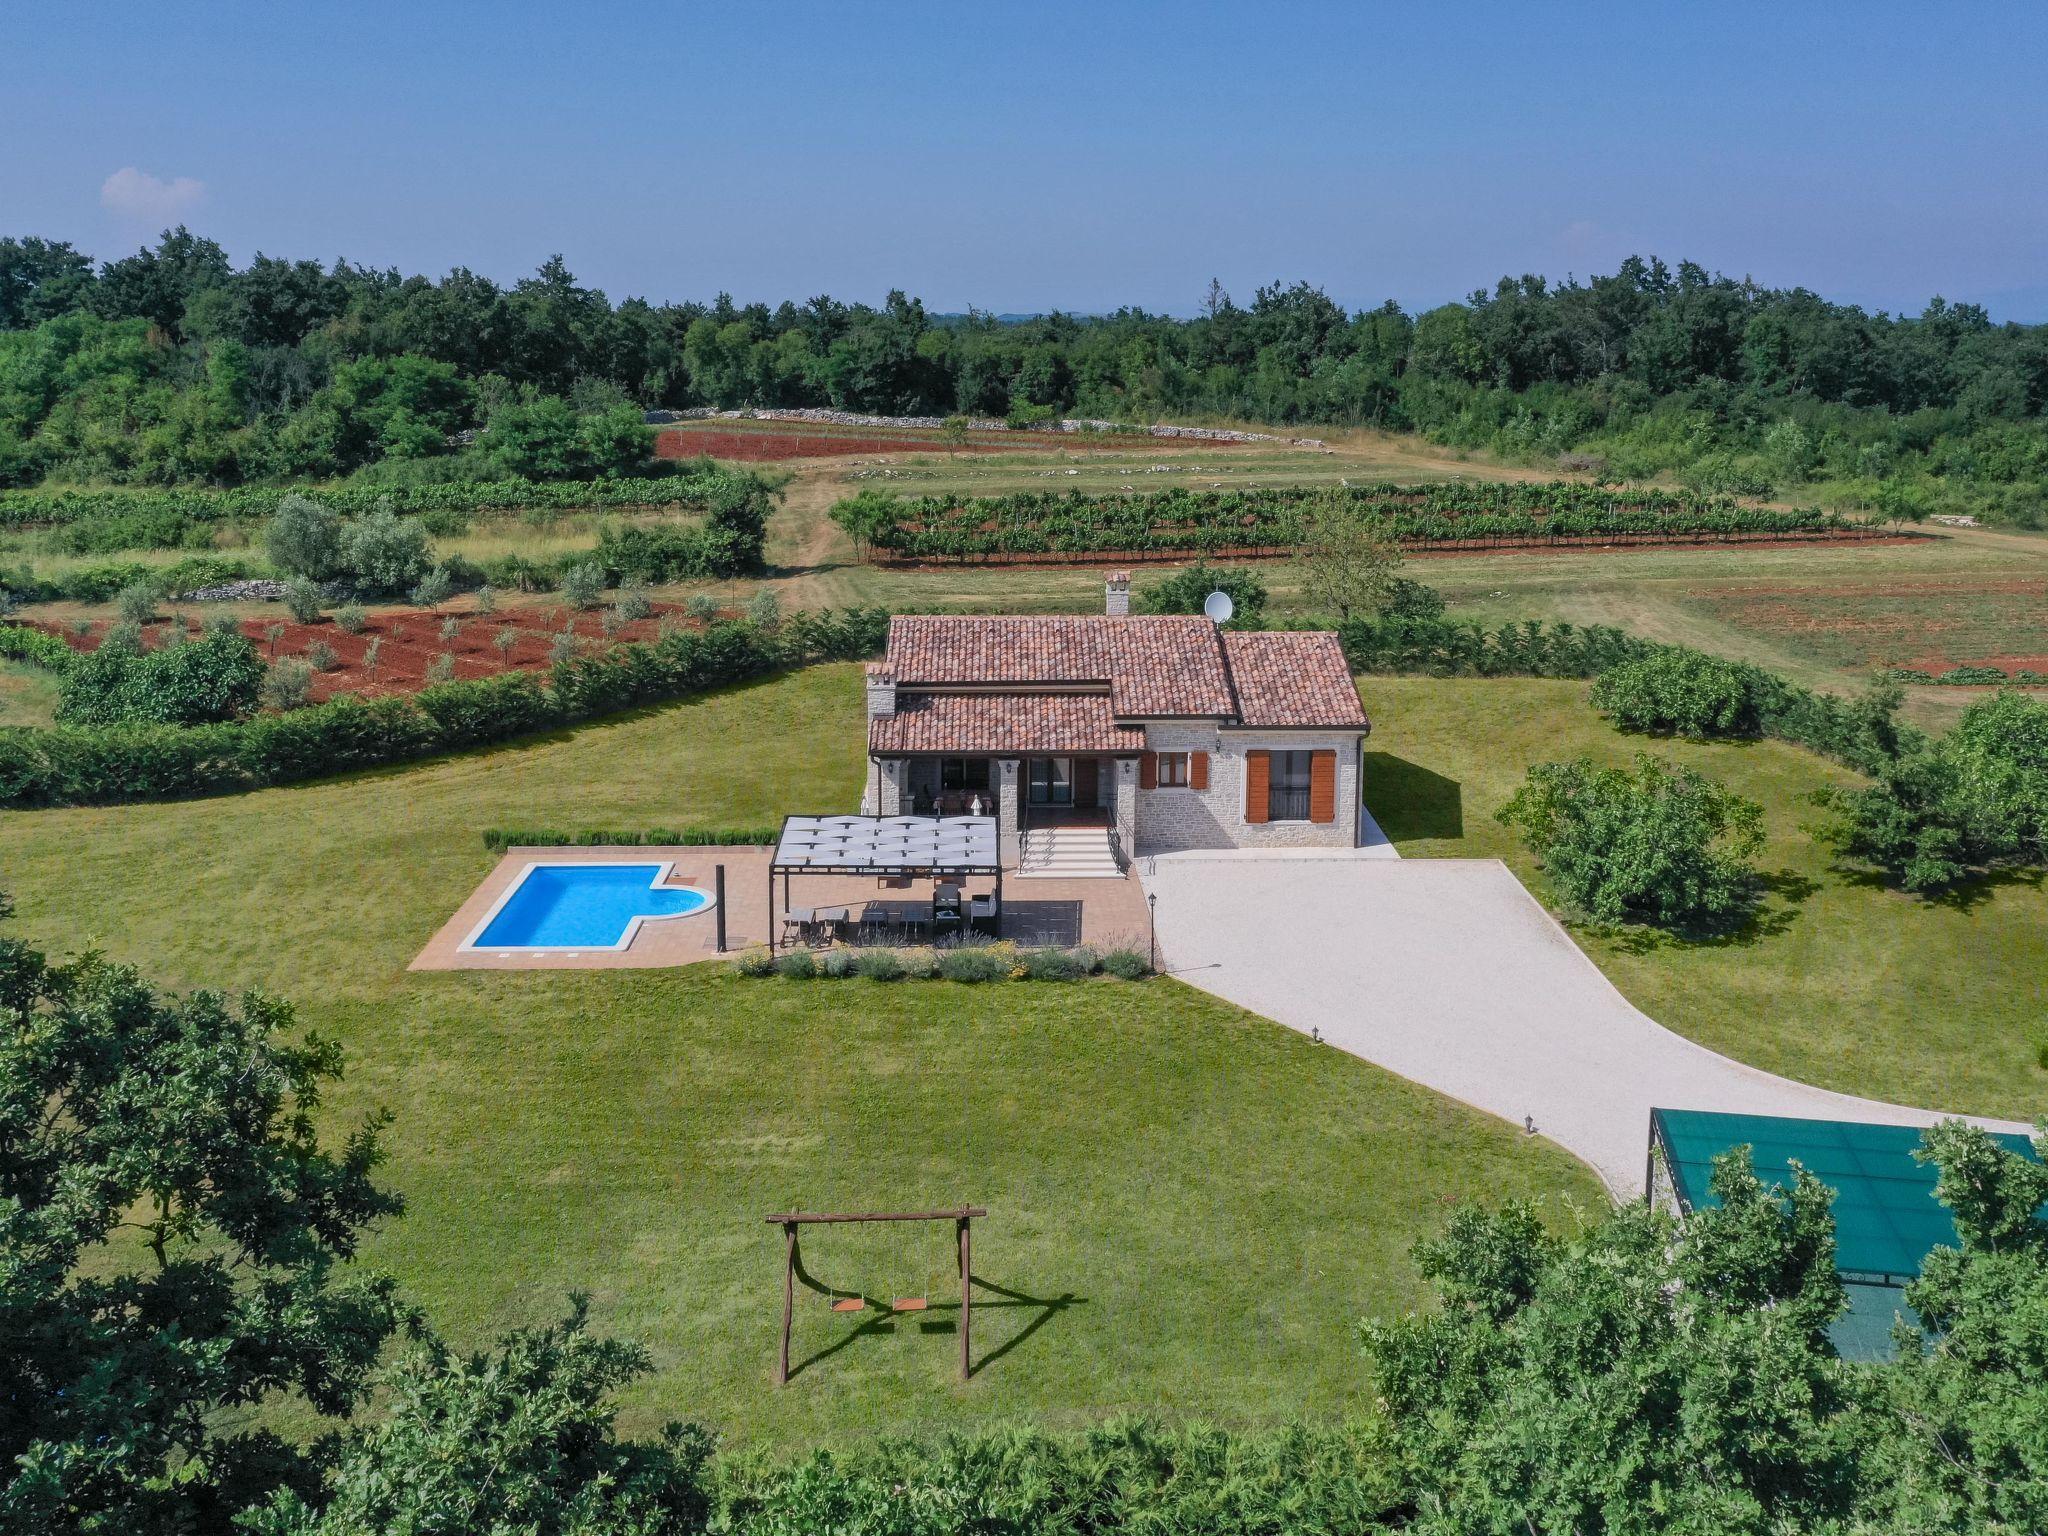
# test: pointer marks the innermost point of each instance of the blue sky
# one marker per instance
(1028, 157)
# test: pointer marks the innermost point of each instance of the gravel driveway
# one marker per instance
(1449, 972)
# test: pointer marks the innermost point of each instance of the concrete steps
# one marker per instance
(1067, 853)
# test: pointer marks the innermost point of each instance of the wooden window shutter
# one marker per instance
(1198, 770)
(1258, 783)
(1148, 770)
(1322, 786)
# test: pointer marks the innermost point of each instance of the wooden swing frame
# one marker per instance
(793, 1222)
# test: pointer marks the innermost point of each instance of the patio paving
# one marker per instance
(1105, 913)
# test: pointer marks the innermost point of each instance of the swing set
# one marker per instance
(792, 1222)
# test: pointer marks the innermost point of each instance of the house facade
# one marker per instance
(1132, 734)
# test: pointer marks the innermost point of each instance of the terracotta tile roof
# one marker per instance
(1153, 665)
(1292, 677)
(1004, 722)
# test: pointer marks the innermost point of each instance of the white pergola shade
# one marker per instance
(849, 844)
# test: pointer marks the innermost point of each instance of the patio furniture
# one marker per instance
(984, 915)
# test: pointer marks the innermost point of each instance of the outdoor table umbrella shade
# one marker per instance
(944, 847)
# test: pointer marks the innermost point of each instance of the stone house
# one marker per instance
(1094, 740)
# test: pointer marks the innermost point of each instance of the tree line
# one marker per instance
(174, 365)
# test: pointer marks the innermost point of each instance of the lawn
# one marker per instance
(1192, 1205)
(1843, 983)
(28, 695)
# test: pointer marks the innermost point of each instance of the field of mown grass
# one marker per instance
(1192, 1205)
(1841, 982)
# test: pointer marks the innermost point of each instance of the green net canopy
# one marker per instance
(1886, 1215)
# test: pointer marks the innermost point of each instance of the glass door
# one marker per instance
(1051, 781)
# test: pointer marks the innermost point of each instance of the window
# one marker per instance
(963, 775)
(1287, 786)
(1173, 770)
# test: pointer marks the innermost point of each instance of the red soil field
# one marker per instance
(411, 640)
(771, 442)
(769, 447)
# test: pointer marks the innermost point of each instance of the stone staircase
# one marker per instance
(1067, 853)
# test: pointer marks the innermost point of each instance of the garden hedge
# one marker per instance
(498, 839)
(94, 766)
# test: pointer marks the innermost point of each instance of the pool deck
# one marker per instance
(1110, 912)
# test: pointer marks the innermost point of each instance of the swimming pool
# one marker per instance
(583, 906)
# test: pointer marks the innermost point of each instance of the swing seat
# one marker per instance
(908, 1304)
(849, 1304)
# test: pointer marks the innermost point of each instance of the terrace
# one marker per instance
(807, 890)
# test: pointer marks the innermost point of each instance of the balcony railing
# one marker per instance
(1287, 804)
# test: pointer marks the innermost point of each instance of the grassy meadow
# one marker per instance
(1840, 982)
(1190, 1206)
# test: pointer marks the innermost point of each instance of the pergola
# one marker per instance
(884, 847)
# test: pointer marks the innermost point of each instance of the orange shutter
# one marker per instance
(1258, 781)
(1322, 786)
(1148, 770)
(1198, 770)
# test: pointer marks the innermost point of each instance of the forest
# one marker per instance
(175, 366)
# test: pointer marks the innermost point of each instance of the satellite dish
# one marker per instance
(1219, 607)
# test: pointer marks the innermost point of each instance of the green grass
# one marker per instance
(28, 695)
(1843, 983)
(1193, 1204)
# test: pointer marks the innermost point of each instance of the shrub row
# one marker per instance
(1181, 520)
(968, 963)
(20, 643)
(692, 485)
(498, 839)
(1969, 677)
(98, 583)
(1860, 733)
(108, 765)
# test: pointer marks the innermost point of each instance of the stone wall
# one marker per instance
(824, 417)
(1174, 820)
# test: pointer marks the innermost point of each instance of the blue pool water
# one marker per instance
(583, 906)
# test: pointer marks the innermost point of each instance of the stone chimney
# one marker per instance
(1116, 594)
(881, 690)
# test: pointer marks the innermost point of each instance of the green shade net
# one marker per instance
(1886, 1216)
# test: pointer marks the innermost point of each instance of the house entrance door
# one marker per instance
(1087, 789)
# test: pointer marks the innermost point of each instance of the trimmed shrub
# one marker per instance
(918, 964)
(756, 962)
(498, 839)
(878, 965)
(1679, 692)
(1126, 965)
(836, 963)
(796, 965)
(973, 963)
(1051, 965)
